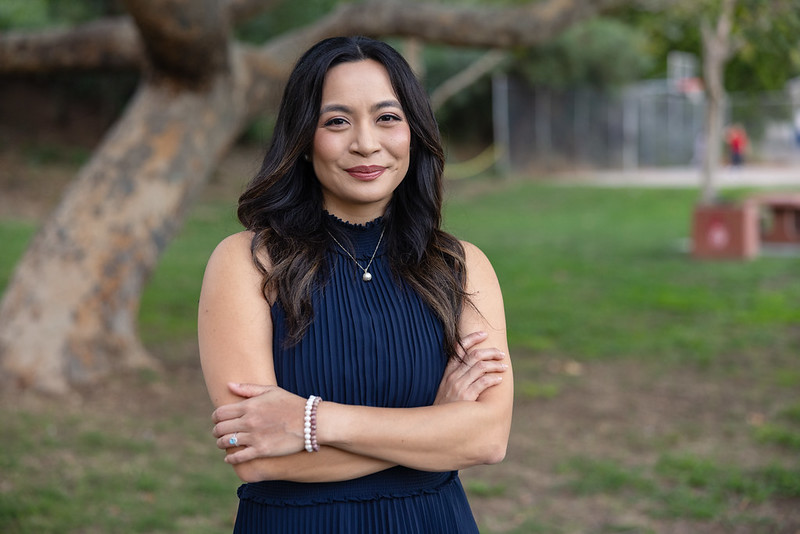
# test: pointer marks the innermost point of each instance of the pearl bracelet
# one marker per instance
(310, 424)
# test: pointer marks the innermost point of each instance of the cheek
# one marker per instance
(324, 148)
(401, 144)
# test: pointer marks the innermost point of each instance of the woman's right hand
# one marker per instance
(476, 370)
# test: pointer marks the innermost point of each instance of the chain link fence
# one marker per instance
(651, 124)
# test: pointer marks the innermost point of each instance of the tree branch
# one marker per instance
(106, 44)
(527, 25)
(185, 40)
(452, 86)
(115, 43)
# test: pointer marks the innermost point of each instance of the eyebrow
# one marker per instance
(345, 109)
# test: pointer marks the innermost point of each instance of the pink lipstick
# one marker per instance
(366, 172)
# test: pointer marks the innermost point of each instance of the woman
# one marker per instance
(344, 288)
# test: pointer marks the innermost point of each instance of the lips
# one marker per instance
(366, 172)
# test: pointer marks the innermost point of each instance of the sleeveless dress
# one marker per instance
(373, 344)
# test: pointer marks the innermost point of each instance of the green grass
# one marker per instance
(14, 236)
(681, 486)
(780, 435)
(587, 273)
(169, 302)
(598, 273)
(480, 488)
(113, 474)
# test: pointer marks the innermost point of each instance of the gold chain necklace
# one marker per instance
(367, 276)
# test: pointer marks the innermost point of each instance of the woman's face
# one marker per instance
(362, 141)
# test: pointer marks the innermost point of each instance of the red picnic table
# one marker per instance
(782, 216)
(737, 230)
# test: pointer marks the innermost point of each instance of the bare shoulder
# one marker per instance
(235, 253)
(472, 251)
(233, 247)
(230, 267)
(479, 268)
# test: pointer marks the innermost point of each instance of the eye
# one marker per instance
(336, 121)
(389, 117)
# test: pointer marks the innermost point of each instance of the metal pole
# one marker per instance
(630, 128)
(501, 123)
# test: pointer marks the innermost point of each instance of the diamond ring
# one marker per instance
(234, 440)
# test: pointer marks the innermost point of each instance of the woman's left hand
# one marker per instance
(267, 423)
(473, 372)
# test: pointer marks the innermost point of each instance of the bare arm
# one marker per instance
(441, 437)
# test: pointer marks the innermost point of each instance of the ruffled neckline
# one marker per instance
(360, 239)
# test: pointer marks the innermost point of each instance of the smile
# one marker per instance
(366, 173)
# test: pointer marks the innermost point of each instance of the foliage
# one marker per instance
(23, 14)
(34, 14)
(770, 45)
(600, 53)
(767, 34)
(285, 16)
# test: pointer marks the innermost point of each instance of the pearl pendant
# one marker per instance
(366, 277)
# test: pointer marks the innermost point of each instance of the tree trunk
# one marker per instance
(716, 51)
(69, 314)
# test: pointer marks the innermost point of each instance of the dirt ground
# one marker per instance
(630, 413)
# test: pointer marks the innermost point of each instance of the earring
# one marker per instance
(306, 157)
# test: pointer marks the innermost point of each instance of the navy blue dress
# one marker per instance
(373, 344)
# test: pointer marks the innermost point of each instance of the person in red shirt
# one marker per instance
(737, 142)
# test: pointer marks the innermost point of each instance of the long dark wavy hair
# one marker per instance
(283, 203)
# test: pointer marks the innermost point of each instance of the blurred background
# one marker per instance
(631, 168)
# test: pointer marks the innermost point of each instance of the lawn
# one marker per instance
(655, 393)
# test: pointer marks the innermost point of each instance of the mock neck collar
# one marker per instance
(361, 238)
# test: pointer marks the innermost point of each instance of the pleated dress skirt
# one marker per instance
(395, 501)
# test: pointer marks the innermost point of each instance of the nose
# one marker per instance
(365, 141)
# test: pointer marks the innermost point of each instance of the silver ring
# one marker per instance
(234, 440)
